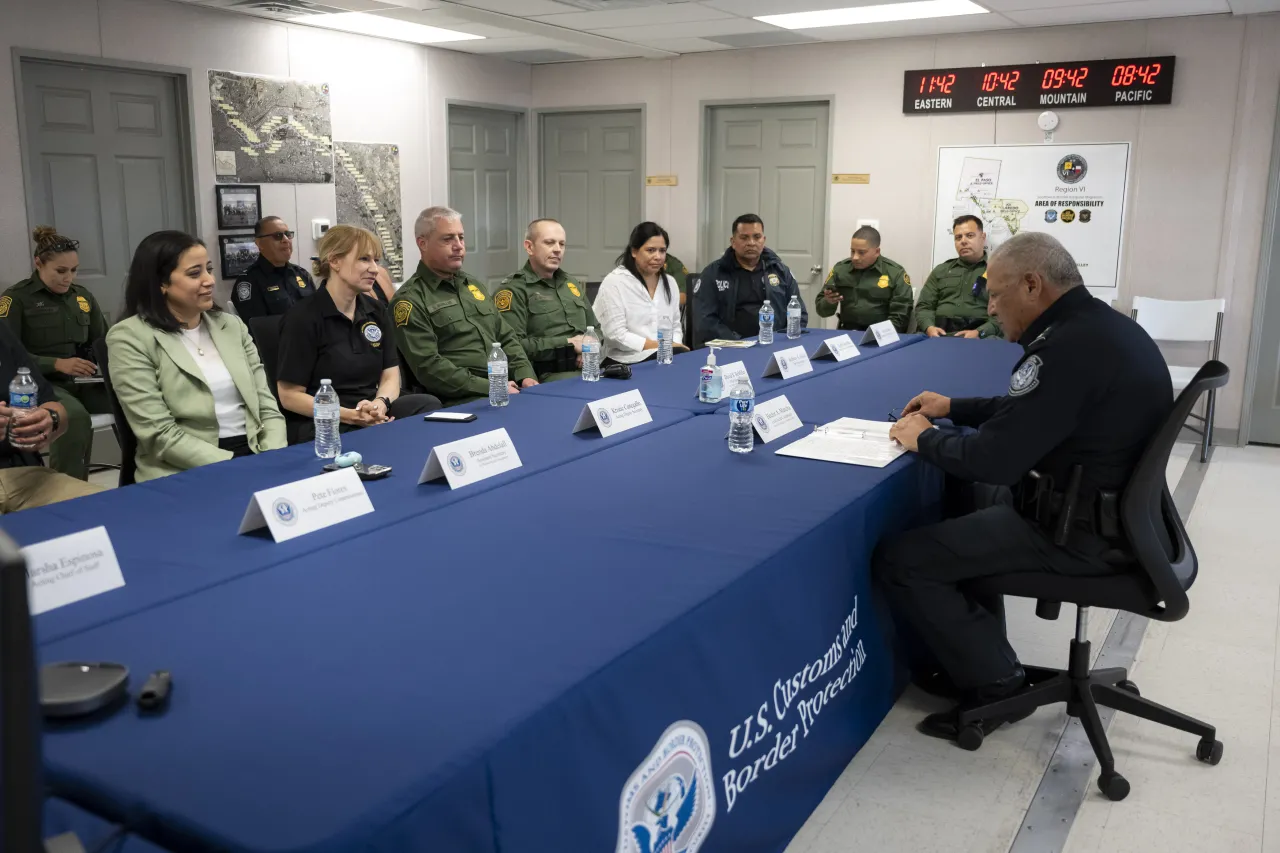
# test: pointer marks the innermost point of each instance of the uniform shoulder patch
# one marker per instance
(906, 278)
(831, 274)
(244, 290)
(502, 300)
(1026, 378)
(5, 303)
(402, 310)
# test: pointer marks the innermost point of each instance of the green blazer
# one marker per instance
(168, 404)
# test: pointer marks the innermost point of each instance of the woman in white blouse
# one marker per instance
(185, 372)
(633, 298)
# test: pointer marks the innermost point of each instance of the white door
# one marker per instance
(1264, 424)
(103, 152)
(771, 160)
(484, 186)
(591, 182)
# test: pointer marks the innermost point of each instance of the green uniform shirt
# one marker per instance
(444, 329)
(880, 292)
(677, 270)
(544, 315)
(52, 325)
(948, 296)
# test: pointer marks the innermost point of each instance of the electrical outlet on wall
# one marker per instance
(318, 227)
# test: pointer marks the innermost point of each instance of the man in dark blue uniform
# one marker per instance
(1090, 391)
(272, 285)
(728, 297)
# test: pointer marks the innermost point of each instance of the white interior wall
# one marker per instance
(1200, 165)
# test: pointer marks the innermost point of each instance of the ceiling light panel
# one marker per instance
(881, 14)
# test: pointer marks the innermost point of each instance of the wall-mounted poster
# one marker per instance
(278, 130)
(239, 205)
(368, 189)
(237, 253)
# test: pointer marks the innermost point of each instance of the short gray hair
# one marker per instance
(532, 230)
(1032, 251)
(425, 225)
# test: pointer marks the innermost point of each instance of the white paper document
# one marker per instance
(71, 568)
(724, 344)
(851, 441)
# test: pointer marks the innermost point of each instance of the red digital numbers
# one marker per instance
(1130, 75)
(937, 83)
(1072, 78)
(1007, 81)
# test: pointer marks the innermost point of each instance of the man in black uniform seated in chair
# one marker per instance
(1084, 400)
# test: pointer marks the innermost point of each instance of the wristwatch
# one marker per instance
(57, 418)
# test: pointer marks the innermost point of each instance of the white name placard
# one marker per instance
(732, 374)
(841, 348)
(71, 568)
(470, 460)
(305, 506)
(774, 419)
(788, 362)
(880, 334)
(615, 414)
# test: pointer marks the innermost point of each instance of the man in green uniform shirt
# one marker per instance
(545, 306)
(57, 322)
(445, 324)
(866, 287)
(677, 270)
(954, 298)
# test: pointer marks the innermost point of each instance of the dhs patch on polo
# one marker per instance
(372, 333)
(1026, 378)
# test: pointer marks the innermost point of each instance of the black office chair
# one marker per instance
(593, 287)
(124, 433)
(1163, 569)
(690, 283)
(265, 332)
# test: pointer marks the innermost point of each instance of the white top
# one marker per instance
(628, 317)
(228, 405)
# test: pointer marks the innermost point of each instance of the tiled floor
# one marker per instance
(905, 792)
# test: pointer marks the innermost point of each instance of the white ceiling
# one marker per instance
(541, 31)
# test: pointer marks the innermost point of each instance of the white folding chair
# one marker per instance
(100, 422)
(1198, 321)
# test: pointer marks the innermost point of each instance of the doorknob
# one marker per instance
(816, 268)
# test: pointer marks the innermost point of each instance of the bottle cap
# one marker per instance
(326, 381)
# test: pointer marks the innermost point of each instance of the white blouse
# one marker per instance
(628, 317)
(228, 405)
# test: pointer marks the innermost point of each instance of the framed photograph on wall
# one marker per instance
(239, 205)
(237, 253)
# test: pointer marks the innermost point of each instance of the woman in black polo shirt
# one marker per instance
(344, 334)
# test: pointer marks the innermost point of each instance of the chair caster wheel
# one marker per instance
(970, 737)
(1209, 751)
(1128, 687)
(1114, 786)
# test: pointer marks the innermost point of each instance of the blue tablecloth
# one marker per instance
(177, 535)
(676, 385)
(61, 816)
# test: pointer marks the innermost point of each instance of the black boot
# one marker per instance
(945, 724)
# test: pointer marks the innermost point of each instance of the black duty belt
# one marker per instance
(1059, 512)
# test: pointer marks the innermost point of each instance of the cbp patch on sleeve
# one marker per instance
(243, 291)
(1026, 378)
(5, 302)
(502, 299)
(907, 279)
(402, 311)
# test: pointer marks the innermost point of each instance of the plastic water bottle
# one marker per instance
(499, 392)
(793, 318)
(742, 402)
(23, 394)
(590, 355)
(766, 323)
(664, 339)
(327, 418)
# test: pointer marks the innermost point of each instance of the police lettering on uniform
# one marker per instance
(953, 300)
(729, 294)
(866, 287)
(1089, 392)
(545, 307)
(445, 323)
(271, 285)
(57, 321)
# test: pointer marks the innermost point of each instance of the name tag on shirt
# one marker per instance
(71, 568)
(788, 363)
(470, 460)
(841, 348)
(880, 334)
(774, 419)
(305, 506)
(615, 414)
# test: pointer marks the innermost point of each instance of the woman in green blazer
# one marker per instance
(187, 374)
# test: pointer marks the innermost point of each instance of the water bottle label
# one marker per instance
(742, 407)
(19, 401)
(590, 348)
(661, 334)
(497, 370)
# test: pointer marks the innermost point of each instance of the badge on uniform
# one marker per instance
(83, 303)
(773, 279)
(883, 282)
(243, 291)
(573, 288)
(5, 302)
(476, 292)
(301, 283)
(907, 279)
(402, 311)
(372, 333)
(502, 299)
(697, 285)
(1026, 378)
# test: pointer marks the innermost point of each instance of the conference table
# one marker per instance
(626, 642)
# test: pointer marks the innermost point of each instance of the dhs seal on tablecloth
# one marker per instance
(285, 511)
(456, 465)
(669, 803)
